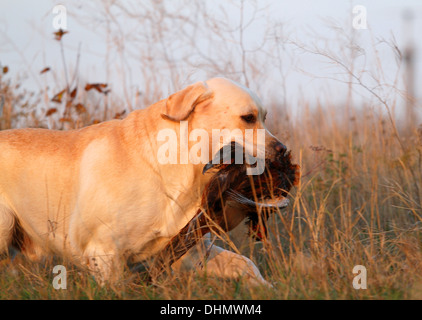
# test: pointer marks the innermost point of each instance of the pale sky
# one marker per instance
(27, 44)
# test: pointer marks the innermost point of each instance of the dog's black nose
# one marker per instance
(279, 147)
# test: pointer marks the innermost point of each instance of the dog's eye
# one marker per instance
(249, 118)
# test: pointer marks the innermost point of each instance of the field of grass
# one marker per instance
(358, 203)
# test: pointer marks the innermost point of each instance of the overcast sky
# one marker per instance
(27, 44)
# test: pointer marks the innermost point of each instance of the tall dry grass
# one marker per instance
(358, 203)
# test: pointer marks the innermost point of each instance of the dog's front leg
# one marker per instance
(105, 265)
(216, 261)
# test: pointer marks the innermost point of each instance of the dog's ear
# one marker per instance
(182, 103)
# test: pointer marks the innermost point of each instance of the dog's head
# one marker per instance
(227, 112)
(232, 115)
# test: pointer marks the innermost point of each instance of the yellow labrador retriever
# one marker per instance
(102, 195)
